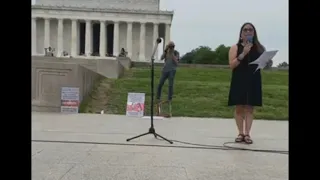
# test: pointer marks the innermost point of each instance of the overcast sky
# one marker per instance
(214, 22)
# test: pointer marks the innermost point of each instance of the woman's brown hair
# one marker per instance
(255, 40)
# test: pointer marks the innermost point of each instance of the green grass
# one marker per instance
(201, 92)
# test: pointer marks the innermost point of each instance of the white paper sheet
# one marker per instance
(263, 60)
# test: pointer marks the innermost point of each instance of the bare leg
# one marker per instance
(248, 123)
(239, 117)
(249, 119)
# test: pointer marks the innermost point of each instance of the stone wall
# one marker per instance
(48, 78)
(152, 5)
(49, 74)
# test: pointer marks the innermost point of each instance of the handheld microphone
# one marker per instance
(250, 39)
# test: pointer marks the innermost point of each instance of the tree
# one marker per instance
(222, 55)
(188, 58)
(283, 65)
(205, 55)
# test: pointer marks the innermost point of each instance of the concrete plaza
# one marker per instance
(96, 155)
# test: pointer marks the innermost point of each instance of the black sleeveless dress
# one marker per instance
(245, 88)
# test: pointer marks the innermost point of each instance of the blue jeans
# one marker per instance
(164, 76)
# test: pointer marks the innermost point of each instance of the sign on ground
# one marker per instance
(70, 99)
(135, 104)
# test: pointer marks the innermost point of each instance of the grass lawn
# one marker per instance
(200, 92)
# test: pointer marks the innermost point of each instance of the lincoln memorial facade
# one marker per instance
(86, 28)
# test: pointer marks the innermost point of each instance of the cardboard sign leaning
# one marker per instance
(135, 104)
(70, 100)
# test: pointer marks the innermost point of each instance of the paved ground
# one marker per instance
(93, 161)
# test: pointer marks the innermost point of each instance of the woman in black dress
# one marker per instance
(245, 89)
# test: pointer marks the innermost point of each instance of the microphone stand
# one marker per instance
(152, 129)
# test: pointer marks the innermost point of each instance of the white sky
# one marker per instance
(214, 22)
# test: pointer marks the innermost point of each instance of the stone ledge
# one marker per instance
(107, 67)
(107, 10)
(125, 62)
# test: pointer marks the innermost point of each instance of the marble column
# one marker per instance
(102, 47)
(74, 37)
(60, 38)
(116, 39)
(155, 37)
(46, 33)
(142, 56)
(34, 35)
(88, 46)
(129, 39)
(167, 34)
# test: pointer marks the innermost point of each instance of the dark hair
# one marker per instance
(255, 40)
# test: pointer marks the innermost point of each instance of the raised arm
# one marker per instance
(176, 56)
(163, 55)
(233, 59)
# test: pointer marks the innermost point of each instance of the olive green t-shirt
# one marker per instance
(169, 63)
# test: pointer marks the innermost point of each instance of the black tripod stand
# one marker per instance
(151, 129)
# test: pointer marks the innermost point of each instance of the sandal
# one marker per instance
(247, 139)
(240, 138)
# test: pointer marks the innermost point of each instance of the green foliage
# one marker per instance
(283, 65)
(205, 55)
(219, 56)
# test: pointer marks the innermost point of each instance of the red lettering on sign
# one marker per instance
(138, 107)
(72, 103)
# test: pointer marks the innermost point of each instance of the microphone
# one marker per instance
(250, 39)
(158, 40)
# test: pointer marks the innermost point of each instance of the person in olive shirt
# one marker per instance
(171, 59)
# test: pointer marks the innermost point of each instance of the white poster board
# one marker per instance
(70, 99)
(135, 104)
(264, 58)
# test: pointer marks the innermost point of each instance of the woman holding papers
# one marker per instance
(245, 89)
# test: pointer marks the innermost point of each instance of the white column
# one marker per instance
(34, 35)
(167, 35)
(74, 37)
(129, 39)
(60, 37)
(102, 48)
(88, 38)
(116, 39)
(46, 33)
(142, 56)
(155, 37)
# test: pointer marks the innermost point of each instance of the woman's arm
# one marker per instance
(234, 61)
(163, 56)
(176, 56)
